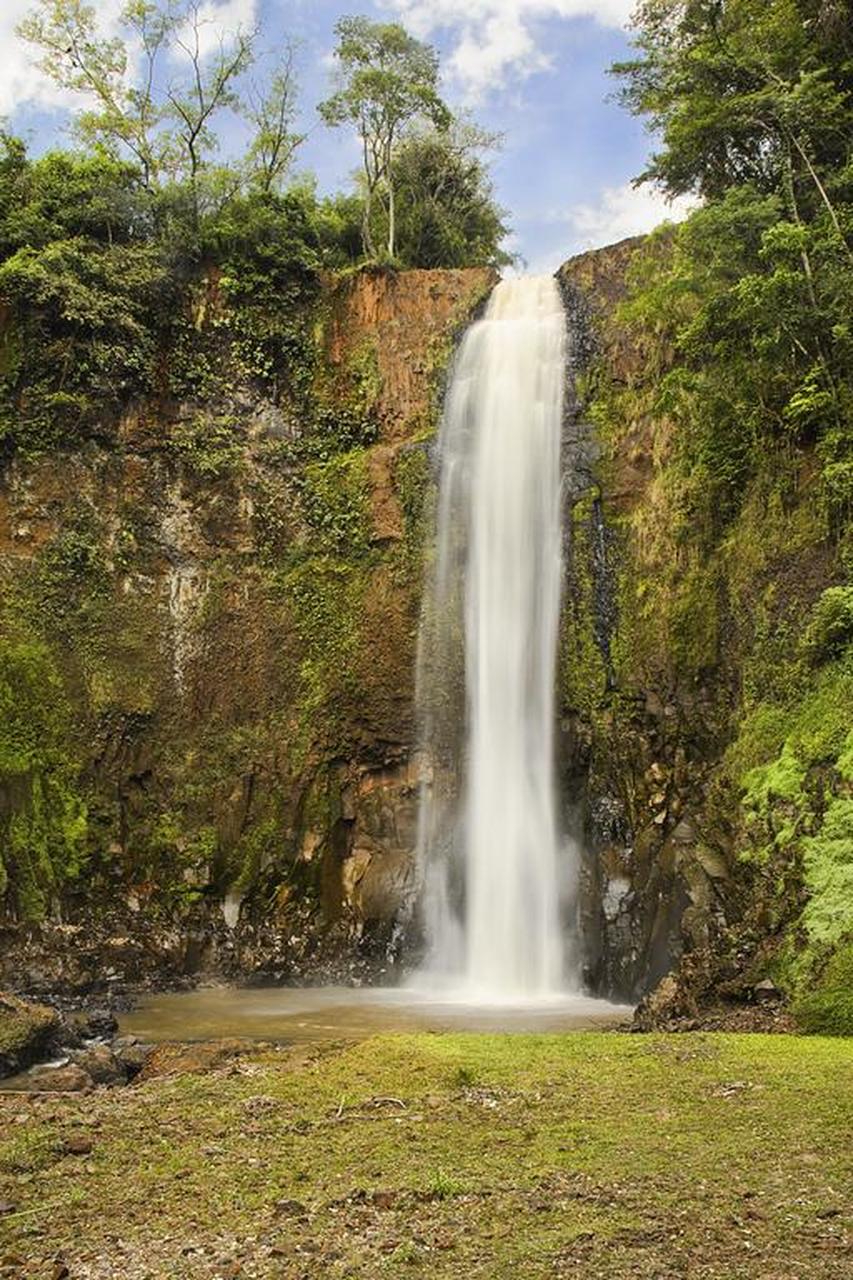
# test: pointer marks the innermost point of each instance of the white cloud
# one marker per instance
(23, 84)
(219, 21)
(495, 39)
(621, 212)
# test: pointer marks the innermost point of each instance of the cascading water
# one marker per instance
(490, 849)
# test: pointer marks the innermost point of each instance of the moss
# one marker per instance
(210, 444)
(828, 872)
(798, 815)
(335, 497)
(43, 817)
(825, 1005)
(24, 1030)
(324, 595)
(830, 628)
(259, 848)
(414, 487)
(583, 664)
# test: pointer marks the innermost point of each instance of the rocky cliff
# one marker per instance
(207, 656)
(207, 646)
(706, 693)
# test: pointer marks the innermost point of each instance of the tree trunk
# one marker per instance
(366, 234)
(392, 228)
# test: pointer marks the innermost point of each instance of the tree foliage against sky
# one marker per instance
(388, 81)
(158, 92)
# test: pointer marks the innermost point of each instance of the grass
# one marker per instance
(450, 1156)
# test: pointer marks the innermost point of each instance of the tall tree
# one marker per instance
(121, 110)
(746, 91)
(388, 79)
(207, 89)
(271, 110)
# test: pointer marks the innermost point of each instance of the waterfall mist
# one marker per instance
(493, 866)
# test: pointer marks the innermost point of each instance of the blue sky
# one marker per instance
(534, 70)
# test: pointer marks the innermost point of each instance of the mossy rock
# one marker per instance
(827, 1007)
(25, 1032)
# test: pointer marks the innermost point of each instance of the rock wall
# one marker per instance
(207, 649)
(702, 695)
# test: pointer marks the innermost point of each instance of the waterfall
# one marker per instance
(491, 857)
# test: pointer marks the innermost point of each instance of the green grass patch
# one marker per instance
(451, 1155)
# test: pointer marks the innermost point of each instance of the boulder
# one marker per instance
(101, 1024)
(101, 1064)
(26, 1033)
(69, 1078)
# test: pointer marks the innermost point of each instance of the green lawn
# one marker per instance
(448, 1156)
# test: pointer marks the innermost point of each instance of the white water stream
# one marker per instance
(492, 860)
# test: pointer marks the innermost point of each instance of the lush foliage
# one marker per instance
(446, 212)
(745, 318)
(388, 80)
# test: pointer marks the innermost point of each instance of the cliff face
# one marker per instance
(207, 652)
(207, 642)
(706, 688)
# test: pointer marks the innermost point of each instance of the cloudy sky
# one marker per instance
(534, 70)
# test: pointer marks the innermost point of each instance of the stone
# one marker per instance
(290, 1209)
(66, 1079)
(712, 863)
(101, 1023)
(78, 1144)
(99, 1061)
(26, 1032)
(766, 990)
(133, 1058)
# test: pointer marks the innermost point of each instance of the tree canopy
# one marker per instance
(752, 101)
(388, 81)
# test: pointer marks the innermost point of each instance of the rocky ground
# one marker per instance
(593, 1155)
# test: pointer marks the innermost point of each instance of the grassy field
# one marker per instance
(444, 1156)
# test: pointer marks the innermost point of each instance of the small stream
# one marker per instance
(322, 1013)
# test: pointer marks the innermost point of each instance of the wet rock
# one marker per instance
(99, 1062)
(132, 1057)
(65, 1079)
(660, 1006)
(27, 1032)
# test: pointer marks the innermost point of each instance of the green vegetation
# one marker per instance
(388, 80)
(447, 1155)
(734, 594)
(43, 829)
(24, 1030)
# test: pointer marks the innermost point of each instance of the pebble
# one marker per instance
(78, 1144)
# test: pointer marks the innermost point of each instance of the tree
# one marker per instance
(747, 91)
(753, 103)
(209, 87)
(271, 109)
(122, 112)
(447, 212)
(388, 80)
